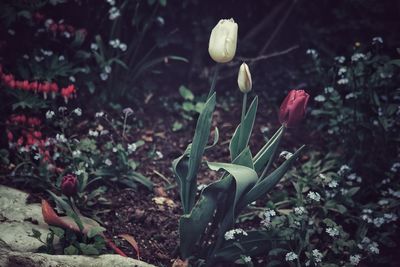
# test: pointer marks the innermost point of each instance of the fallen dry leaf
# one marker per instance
(161, 201)
(133, 243)
(180, 263)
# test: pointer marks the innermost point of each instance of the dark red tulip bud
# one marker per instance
(293, 108)
(69, 185)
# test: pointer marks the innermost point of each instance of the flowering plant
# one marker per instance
(206, 225)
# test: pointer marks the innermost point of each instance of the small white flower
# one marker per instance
(395, 167)
(159, 154)
(317, 255)
(314, 196)
(76, 153)
(93, 133)
(390, 217)
(94, 46)
(61, 58)
(123, 47)
(290, 256)
(378, 221)
(11, 32)
(367, 211)
(366, 218)
(264, 129)
(61, 138)
(342, 70)
(103, 76)
(107, 69)
(340, 59)
(37, 156)
(286, 155)
(299, 211)
(377, 40)
(132, 148)
(320, 98)
(48, 22)
(383, 202)
(62, 109)
(328, 89)
(357, 57)
(312, 52)
(113, 13)
(333, 184)
(77, 111)
(111, 2)
(79, 172)
(50, 114)
(38, 59)
(201, 187)
(246, 259)
(343, 81)
(344, 169)
(72, 79)
(394, 193)
(115, 43)
(373, 247)
(355, 259)
(350, 95)
(108, 162)
(99, 114)
(25, 56)
(332, 231)
(230, 235)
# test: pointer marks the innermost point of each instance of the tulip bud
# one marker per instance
(223, 39)
(293, 108)
(244, 79)
(69, 185)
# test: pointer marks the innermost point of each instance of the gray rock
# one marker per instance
(10, 258)
(16, 220)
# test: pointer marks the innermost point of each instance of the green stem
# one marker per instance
(271, 159)
(244, 107)
(214, 80)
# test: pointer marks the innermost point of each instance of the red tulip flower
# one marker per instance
(69, 185)
(293, 108)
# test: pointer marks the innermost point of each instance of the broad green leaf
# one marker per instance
(269, 182)
(248, 127)
(241, 178)
(139, 178)
(93, 231)
(265, 153)
(71, 250)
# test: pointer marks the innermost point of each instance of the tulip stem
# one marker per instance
(275, 149)
(244, 108)
(214, 80)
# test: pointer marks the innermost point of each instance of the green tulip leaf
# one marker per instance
(235, 147)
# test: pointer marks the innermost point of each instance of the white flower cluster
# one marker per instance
(333, 184)
(317, 255)
(395, 167)
(99, 114)
(355, 259)
(342, 70)
(291, 256)
(329, 89)
(340, 59)
(357, 57)
(50, 114)
(266, 222)
(246, 259)
(332, 231)
(312, 52)
(113, 13)
(394, 193)
(118, 44)
(314, 196)
(230, 235)
(61, 138)
(77, 112)
(93, 133)
(354, 177)
(369, 246)
(132, 148)
(108, 162)
(299, 210)
(344, 169)
(343, 81)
